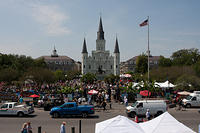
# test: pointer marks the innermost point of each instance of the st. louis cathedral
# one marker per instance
(101, 62)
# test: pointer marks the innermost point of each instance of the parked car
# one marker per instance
(13, 108)
(193, 100)
(71, 108)
(139, 108)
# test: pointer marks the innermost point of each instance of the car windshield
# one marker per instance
(134, 104)
(188, 97)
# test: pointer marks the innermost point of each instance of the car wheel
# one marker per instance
(84, 115)
(20, 114)
(56, 115)
(132, 114)
(159, 113)
(188, 105)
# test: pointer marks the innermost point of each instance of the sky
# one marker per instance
(34, 27)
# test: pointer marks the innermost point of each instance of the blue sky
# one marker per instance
(33, 27)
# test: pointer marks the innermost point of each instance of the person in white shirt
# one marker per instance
(148, 114)
(62, 127)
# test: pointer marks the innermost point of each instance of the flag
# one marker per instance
(144, 23)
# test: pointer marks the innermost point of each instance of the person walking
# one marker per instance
(148, 114)
(62, 127)
(24, 128)
(125, 101)
(29, 128)
(104, 105)
(21, 99)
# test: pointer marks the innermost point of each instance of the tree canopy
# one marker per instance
(141, 64)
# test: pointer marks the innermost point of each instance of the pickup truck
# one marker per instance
(13, 108)
(71, 108)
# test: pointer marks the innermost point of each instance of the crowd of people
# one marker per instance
(106, 93)
(48, 92)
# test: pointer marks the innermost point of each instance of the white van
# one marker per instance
(193, 100)
(156, 107)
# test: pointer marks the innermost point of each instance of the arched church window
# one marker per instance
(116, 66)
(111, 67)
(89, 67)
(83, 66)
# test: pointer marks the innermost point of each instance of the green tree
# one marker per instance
(40, 63)
(72, 75)
(59, 75)
(111, 78)
(141, 64)
(67, 90)
(188, 82)
(170, 73)
(197, 68)
(185, 57)
(8, 75)
(138, 77)
(88, 78)
(41, 75)
(164, 62)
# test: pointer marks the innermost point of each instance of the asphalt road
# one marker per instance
(190, 118)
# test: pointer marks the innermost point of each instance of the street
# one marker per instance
(10, 124)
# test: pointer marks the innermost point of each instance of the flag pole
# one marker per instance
(148, 48)
(148, 55)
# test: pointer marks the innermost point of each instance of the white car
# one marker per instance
(13, 108)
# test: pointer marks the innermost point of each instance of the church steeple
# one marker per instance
(100, 33)
(116, 46)
(84, 50)
(54, 54)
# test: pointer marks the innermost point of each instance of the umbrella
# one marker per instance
(145, 93)
(92, 92)
(34, 96)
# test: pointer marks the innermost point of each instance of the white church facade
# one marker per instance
(101, 62)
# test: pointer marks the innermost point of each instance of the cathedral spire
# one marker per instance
(54, 54)
(116, 46)
(100, 33)
(84, 47)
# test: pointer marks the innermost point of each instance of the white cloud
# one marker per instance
(51, 18)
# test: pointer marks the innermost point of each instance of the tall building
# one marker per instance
(58, 62)
(101, 62)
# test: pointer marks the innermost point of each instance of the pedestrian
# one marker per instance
(21, 99)
(24, 128)
(125, 101)
(148, 114)
(29, 128)
(104, 105)
(107, 97)
(62, 127)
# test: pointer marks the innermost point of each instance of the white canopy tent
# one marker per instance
(165, 84)
(165, 123)
(118, 124)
